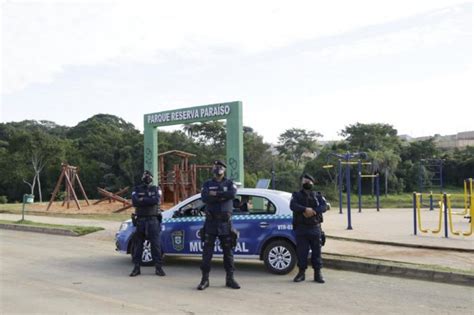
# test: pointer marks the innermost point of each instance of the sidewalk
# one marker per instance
(396, 226)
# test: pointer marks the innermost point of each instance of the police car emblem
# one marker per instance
(177, 238)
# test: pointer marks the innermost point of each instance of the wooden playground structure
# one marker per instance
(179, 182)
(69, 175)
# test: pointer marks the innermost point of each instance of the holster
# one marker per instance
(234, 235)
(202, 232)
(133, 216)
(323, 238)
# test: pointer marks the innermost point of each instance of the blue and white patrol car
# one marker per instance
(261, 216)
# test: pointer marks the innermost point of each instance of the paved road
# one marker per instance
(452, 259)
(50, 274)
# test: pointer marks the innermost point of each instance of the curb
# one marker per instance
(37, 229)
(396, 269)
(342, 238)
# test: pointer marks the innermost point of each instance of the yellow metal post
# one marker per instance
(418, 211)
(450, 217)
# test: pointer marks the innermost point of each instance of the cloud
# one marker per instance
(40, 39)
(449, 27)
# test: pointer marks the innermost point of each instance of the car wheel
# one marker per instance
(147, 259)
(279, 257)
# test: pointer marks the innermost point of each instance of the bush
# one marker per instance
(3, 199)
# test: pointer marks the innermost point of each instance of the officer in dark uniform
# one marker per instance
(147, 218)
(218, 194)
(308, 207)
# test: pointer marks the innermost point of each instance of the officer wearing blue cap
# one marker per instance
(308, 207)
(218, 193)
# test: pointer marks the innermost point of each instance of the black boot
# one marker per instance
(159, 271)
(136, 271)
(318, 276)
(204, 282)
(300, 276)
(230, 281)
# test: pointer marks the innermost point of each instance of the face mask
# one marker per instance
(307, 186)
(147, 179)
(218, 171)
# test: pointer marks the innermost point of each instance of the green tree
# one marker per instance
(108, 150)
(373, 137)
(386, 163)
(295, 143)
(381, 143)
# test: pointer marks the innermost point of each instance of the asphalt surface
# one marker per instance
(385, 226)
(49, 274)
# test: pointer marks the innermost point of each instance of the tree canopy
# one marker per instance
(109, 153)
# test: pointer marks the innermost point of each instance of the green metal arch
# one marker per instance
(231, 112)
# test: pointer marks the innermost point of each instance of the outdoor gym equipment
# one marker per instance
(468, 197)
(417, 215)
(346, 159)
(444, 208)
(433, 170)
(359, 184)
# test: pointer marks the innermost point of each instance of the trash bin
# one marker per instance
(27, 198)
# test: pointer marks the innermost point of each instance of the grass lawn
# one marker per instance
(403, 200)
(80, 230)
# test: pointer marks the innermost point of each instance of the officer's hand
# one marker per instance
(213, 193)
(308, 213)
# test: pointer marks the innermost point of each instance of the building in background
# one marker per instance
(459, 140)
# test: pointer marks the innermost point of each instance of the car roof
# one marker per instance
(281, 196)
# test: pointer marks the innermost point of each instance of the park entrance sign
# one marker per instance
(231, 112)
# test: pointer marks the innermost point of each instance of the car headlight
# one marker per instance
(123, 226)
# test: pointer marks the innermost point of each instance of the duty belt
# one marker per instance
(225, 216)
(147, 217)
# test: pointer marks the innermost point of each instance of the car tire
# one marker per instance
(279, 257)
(147, 259)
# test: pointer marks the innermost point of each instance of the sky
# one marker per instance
(317, 65)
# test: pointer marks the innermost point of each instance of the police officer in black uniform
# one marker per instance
(147, 218)
(218, 193)
(308, 207)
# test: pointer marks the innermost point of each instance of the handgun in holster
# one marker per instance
(159, 216)
(133, 216)
(234, 235)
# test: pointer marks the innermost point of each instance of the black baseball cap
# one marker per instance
(220, 162)
(306, 175)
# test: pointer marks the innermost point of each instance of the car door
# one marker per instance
(254, 225)
(180, 235)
